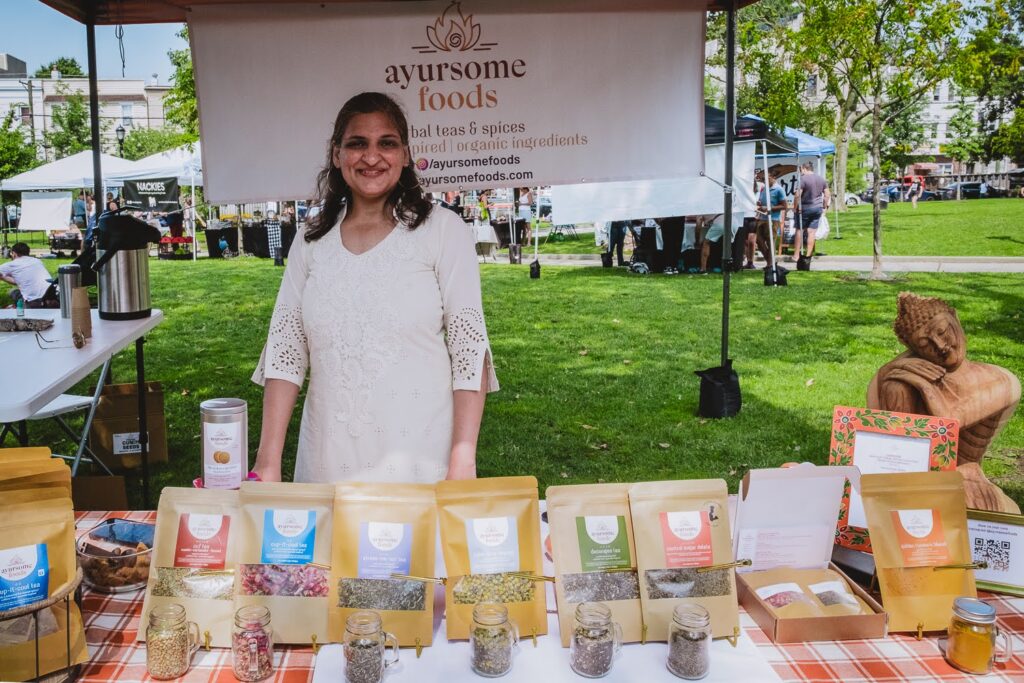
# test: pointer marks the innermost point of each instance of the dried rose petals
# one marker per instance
(289, 580)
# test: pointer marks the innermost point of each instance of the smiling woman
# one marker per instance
(380, 302)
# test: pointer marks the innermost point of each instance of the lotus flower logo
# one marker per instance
(453, 31)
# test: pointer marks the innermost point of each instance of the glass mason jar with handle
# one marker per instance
(491, 639)
(252, 644)
(171, 641)
(972, 637)
(595, 640)
(366, 645)
(689, 642)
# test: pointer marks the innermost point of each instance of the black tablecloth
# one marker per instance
(254, 239)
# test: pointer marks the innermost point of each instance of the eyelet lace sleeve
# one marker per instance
(470, 350)
(458, 275)
(286, 353)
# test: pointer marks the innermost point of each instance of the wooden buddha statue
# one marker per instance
(934, 377)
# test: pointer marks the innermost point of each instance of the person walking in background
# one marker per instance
(90, 215)
(112, 204)
(771, 215)
(79, 210)
(811, 201)
(526, 212)
(915, 191)
(617, 238)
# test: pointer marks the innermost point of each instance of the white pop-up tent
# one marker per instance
(69, 173)
(184, 163)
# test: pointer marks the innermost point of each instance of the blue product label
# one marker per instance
(24, 576)
(288, 536)
(384, 549)
(493, 544)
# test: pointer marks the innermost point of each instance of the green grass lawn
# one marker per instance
(976, 227)
(596, 365)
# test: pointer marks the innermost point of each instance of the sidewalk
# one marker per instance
(891, 264)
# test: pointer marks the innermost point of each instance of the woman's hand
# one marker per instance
(462, 469)
(266, 469)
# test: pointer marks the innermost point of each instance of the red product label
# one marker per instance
(202, 541)
(687, 537)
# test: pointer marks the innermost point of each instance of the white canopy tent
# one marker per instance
(602, 202)
(69, 173)
(184, 163)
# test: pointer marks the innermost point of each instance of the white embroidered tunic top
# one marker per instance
(386, 336)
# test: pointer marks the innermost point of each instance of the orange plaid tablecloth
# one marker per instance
(112, 622)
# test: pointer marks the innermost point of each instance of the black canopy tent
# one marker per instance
(113, 12)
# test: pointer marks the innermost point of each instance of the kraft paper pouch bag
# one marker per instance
(490, 533)
(23, 474)
(381, 530)
(796, 593)
(18, 645)
(194, 559)
(284, 556)
(595, 560)
(37, 552)
(918, 521)
(26, 454)
(40, 532)
(680, 527)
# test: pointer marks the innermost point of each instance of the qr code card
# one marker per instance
(1001, 545)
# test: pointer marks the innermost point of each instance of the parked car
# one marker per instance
(852, 199)
(970, 190)
(545, 207)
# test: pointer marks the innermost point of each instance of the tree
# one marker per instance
(967, 143)
(67, 66)
(992, 71)
(901, 135)
(884, 55)
(69, 131)
(141, 142)
(17, 155)
(180, 101)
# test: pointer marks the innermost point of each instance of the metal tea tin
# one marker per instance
(225, 442)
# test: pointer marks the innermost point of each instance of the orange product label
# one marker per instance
(202, 541)
(687, 537)
(921, 537)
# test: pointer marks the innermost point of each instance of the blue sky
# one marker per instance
(33, 32)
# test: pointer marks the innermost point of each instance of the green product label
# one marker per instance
(603, 542)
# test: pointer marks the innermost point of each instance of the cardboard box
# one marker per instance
(786, 518)
(114, 435)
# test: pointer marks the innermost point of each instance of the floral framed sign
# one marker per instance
(882, 441)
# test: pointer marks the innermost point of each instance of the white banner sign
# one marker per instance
(497, 94)
(602, 202)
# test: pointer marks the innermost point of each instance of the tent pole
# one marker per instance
(836, 199)
(768, 196)
(195, 219)
(730, 128)
(94, 112)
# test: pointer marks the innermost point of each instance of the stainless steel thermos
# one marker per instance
(68, 277)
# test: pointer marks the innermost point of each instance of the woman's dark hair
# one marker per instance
(332, 192)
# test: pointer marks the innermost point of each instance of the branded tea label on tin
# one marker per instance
(24, 575)
(202, 541)
(493, 544)
(921, 537)
(603, 542)
(288, 536)
(385, 548)
(687, 537)
(224, 463)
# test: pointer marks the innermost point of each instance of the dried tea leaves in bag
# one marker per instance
(918, 521)
(194, 558)
(595, 559)
(385, 541)
(284, 556)
(490, 528)
(681, 529)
